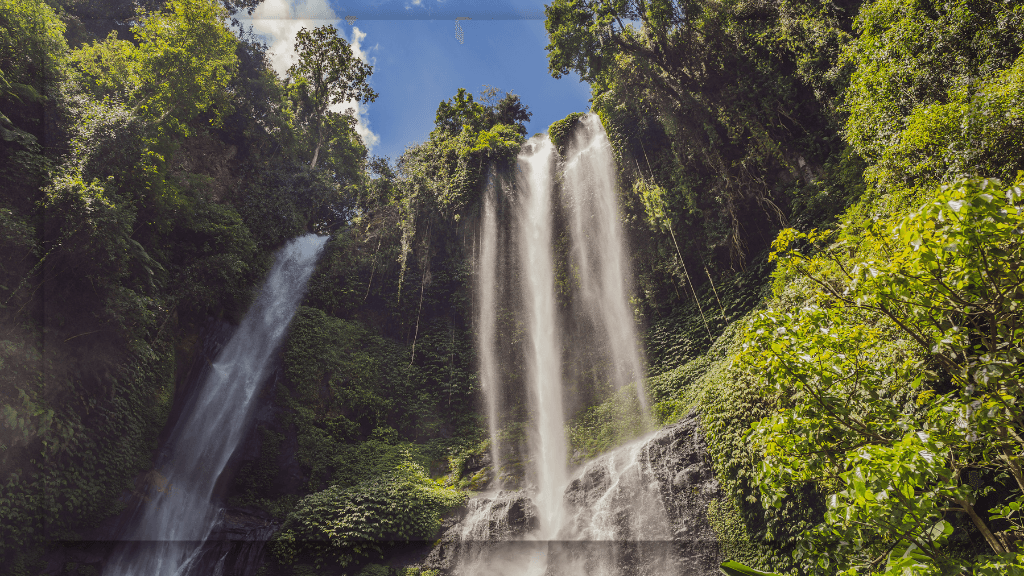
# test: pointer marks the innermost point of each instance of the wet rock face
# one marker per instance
(512, 516)
(588, 488)
(508, 516)
(639, 510)
(237, 545)
(676, 458)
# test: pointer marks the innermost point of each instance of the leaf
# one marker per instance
(733, 568)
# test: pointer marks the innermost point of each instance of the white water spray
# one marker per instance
(591, 195)
(544, 373)
(167, 532)
(486, 289)
(610, 519)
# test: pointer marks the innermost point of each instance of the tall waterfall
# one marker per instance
(167, 532)
(487, 283)
(610, 518)
(592, 199)
(544, 365)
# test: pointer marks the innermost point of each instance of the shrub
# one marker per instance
(346, 523)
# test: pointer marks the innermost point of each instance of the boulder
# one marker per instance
(640, 510)
(503, 517)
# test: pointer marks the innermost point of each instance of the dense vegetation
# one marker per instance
(865, 418)
(148, 174)
(822, 199)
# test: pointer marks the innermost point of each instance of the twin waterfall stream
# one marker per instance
(611, 518)
(551, 229)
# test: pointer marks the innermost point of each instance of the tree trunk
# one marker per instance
(316, 153)
(990, 538)
(319, 143)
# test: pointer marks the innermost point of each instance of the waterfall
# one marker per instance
(610, 518)
(544, 367)
(166, 533)
(617, 522)
(591, 197)
(638, 510)
(486, 342)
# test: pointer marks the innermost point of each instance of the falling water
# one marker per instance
(616, 523)
(486, 288)
(167, 532)
(612, 517)
(638, 510)
(544, 357)
(590, 192)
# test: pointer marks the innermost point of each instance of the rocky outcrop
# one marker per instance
(202, 154)
(237, 545)
(504, 517)
(641, 510)
(677, 458)
(638, 510)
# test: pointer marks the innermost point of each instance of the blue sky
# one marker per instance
(418, 60)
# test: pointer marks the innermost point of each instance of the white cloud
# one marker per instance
(362, 118)
(279, 21)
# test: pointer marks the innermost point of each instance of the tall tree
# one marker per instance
(328, 73)
(713, 101)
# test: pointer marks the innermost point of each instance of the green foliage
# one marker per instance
(709, 102)
(213, 260)
(178, 68)
(33, 55)
(375, 570)
(348, 523)
(468, 139)
(733, 568)
(693, 327)
(335, 371)
(460, 111)
(931, 89)
(560, 131)
(452, 115)
(327, 74)
(333, 73)
(355, 397)
(877, 343)
(607, 425)
(897, 382)
(33, 60)
(94, 255)
(122, 234)
(458, 455)
(257, 477)
(732, 534)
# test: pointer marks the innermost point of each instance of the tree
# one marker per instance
(460, 111)
(178, 67)
(899, 385)
(936, 91)
(709, 98)
(328, 73)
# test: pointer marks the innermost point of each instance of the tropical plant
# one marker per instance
(898, 385)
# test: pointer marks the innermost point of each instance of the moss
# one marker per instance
(733, 538)
(691, 329)
(607, 425)
(256, 478)
(560, 131)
